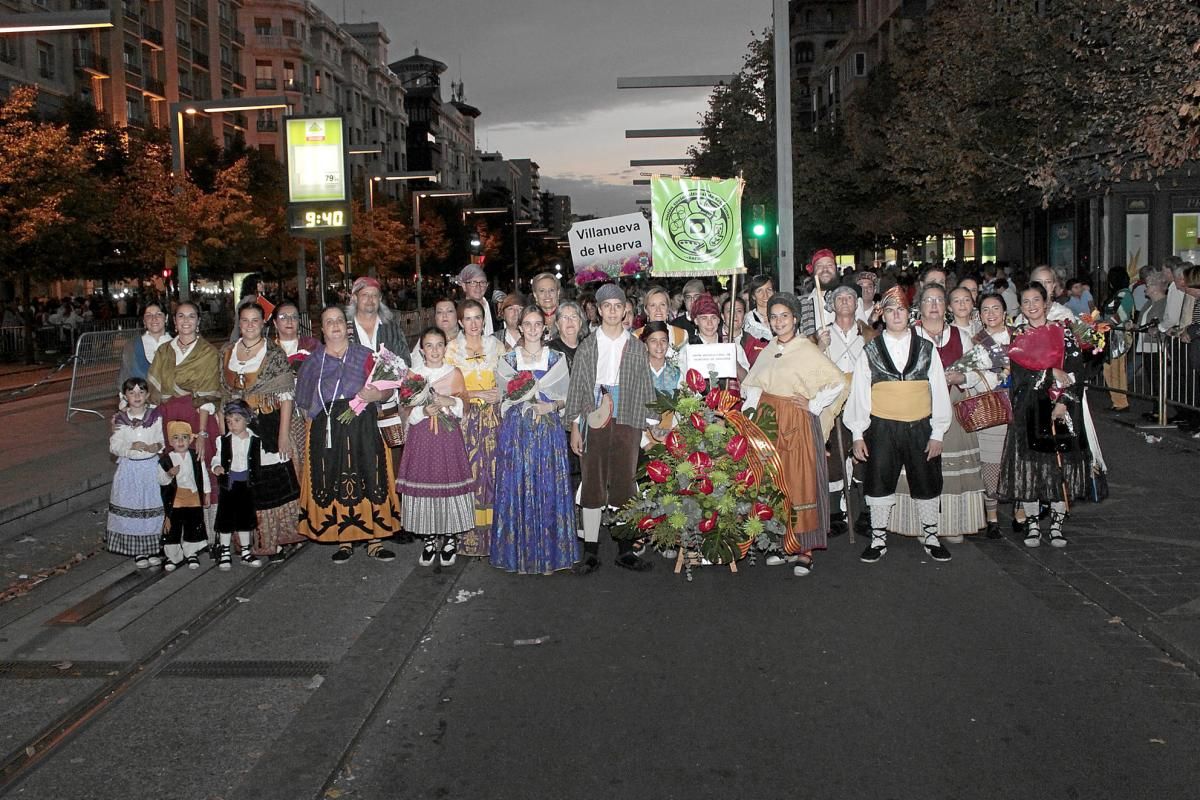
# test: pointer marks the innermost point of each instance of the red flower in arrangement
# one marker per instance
(658, 472)
(745, 477)
(697, 420)
(650, 523)
(701, 461)
(763, 511)
(713, 399)
(737, 447)
(675, 444)
(708, 523)
(704, 485)
(696, 381)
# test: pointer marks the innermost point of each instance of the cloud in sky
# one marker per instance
(544, 74)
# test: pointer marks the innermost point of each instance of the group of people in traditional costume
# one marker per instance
(274, 440)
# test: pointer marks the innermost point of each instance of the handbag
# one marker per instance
(1098, 486)
(984, 410)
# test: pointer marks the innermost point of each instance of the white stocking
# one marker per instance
(591, 524)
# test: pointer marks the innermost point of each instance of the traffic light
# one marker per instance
(758, 221)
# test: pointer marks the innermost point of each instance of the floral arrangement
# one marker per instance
(1091, 332)
(521, 387)
(388, 373)
(710, 486)
(413, 390)
(613, 269)
(982, 358)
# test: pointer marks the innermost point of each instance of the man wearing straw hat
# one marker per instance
(898, 411)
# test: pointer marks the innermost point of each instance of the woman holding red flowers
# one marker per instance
(1046, 455)
(533, 528)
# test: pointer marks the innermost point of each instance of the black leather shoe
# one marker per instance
(937, 552)
(837, 525)
(632, 561)
(993, 530)
(587, 566)
(1018, 526)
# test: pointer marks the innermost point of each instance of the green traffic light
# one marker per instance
(759, 230)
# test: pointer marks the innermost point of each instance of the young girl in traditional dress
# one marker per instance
(184, 485)
(434, 479)
(533, 531)
(236, 463)
(135, 511)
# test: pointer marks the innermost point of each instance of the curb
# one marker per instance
(29, 514)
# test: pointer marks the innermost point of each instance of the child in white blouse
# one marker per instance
(135, 510)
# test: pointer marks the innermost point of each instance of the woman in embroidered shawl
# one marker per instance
(185, 384)
(434, 478)
(346, 492)
(255, 370)
(533, 531)
(477, 356)
(807, 391)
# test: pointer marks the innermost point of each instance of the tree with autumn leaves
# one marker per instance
(987, 108)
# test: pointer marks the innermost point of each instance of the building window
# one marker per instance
(289, 27)
(1186, 237)
(226, 56)
(317, 82)
(262, 26)
(45, 53)
(804, 53)
(830, 44)
(9, 52)
(860, 65)
(181, 31)
(223, 10)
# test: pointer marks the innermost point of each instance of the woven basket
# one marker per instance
(985, 410)
(391, 425)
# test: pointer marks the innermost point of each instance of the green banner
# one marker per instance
(697, 227)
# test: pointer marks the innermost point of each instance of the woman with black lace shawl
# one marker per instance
(1046, 455)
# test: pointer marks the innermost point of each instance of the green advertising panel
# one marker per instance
(697, 227)
(316, 160)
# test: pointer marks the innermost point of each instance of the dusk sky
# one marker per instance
(544, 74)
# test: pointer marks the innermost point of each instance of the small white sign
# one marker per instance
(609, 244)
(718, 358)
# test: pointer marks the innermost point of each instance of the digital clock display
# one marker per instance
(324, 219)
(319, 219)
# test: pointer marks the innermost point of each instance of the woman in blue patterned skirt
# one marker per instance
(533, 529)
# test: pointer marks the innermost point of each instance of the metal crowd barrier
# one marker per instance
(1169, 377)
(96, 367)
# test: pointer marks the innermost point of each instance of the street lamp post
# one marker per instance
(182, 272)
(416, 196)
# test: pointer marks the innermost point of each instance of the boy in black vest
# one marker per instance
(183, 492)
(236, 463)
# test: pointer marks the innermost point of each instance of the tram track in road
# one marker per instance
(42, 747)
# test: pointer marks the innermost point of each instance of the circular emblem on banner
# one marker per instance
(699, 225)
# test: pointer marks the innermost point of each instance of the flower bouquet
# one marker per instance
(711, 487)
(982, 358)
(388, 372)
(1091, 332)
(614, 268)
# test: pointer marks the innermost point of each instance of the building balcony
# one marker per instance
(152, 36)
(239, 80)
(92, 63)
(133, 69)
(200, 60)
(238, 119)
(265, 83)
(238, 38)
(200, 11)
(185, 90)
(89, 5)
(155, 87)
(293, 85)
(131, 12)
(268, 126)
(46, 72)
